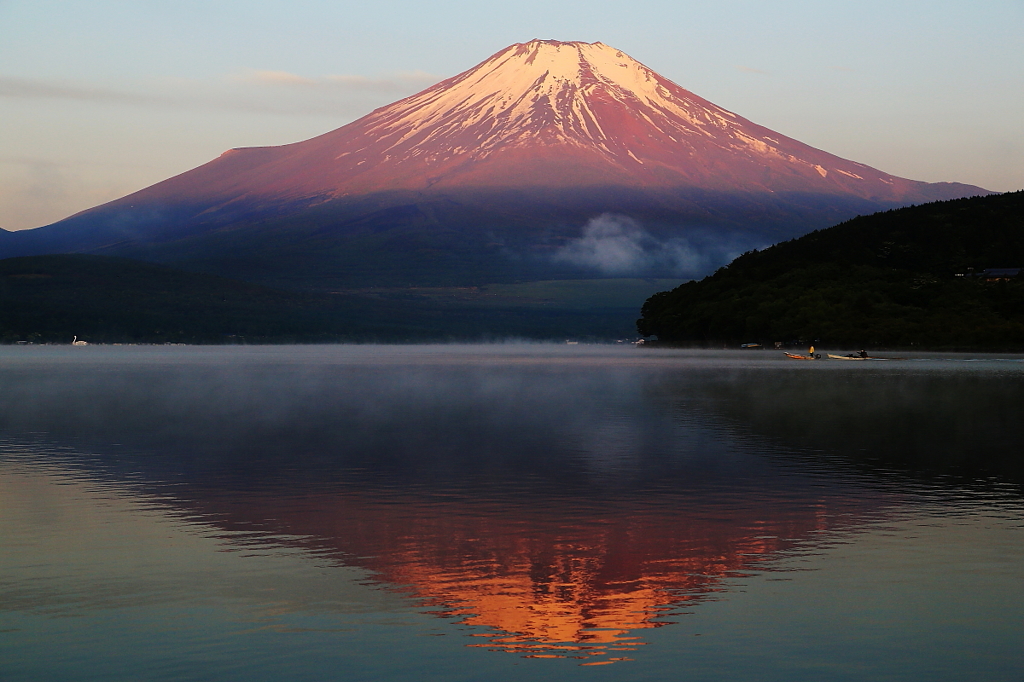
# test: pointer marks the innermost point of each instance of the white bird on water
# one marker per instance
(76, 342)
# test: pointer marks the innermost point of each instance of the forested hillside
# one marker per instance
(906, 277)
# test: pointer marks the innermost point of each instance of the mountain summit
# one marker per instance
(549, 114)
(488, 174)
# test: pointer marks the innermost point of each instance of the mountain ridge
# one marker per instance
(516, 156)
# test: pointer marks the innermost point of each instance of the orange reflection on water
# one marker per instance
(548, 580)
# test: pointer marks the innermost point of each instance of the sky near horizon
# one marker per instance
(99, 99)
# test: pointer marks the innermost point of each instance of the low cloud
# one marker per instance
(254, 91)
(619, 245)
(612, 244)
(400, 82)
(24, 88)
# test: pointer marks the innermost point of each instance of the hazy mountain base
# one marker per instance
(112, 300)
(468, 237)
(885, 280)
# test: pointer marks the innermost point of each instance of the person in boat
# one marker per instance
(862, 354)
(810, 352)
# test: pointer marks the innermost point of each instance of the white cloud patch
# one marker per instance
(618, 245)
(612, 244)
(280, 78)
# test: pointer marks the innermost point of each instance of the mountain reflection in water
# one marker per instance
(560, 505)
(547, 576)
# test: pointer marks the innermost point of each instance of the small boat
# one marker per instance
(794, 356)
(751, 345)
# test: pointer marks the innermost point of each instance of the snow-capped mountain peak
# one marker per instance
(618, 120)
(547, 91)
(486, 175)
(541, 114)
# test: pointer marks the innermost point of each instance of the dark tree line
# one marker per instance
(899, 278)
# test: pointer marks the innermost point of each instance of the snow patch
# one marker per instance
(756, 144)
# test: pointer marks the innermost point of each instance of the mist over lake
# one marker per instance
(506, 512)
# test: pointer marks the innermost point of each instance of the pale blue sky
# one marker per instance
(100, 98)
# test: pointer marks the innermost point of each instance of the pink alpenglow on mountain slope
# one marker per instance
(545, 114)
(548, 160)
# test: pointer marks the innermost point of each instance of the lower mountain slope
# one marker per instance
(450, 238)
(907, 277)
(492, 175)
(100, 299)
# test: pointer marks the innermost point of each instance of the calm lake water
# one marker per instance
(508, 512)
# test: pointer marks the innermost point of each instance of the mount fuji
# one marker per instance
(549, 160)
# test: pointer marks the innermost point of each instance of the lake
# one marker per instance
(508, 512)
